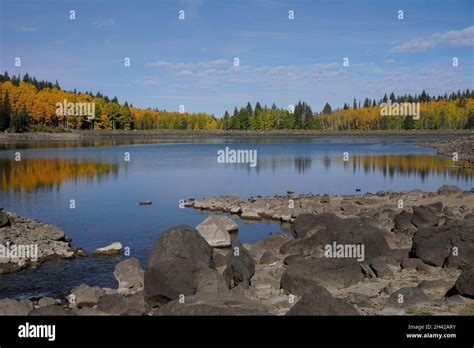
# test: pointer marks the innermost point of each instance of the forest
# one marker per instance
(27, 104)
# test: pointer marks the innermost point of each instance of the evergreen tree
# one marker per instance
(5, 114)
(327, 109)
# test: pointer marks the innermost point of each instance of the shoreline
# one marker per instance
(174, 134)
(405, 253)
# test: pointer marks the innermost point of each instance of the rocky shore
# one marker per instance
(74, 135)
(27, 242)
(409, 253)
(463, 146)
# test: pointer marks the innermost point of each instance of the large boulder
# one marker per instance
(213, 304)
(302, 276)
(305, 225)
(450, 245)
(240, 266)
(332, 229)
(118, 304)
(215, 230)
(4, 220)
(465, 283)
(129, 275)
(320, 302)
(13, 307)
(174, 264)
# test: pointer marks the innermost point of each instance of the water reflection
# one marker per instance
(47, 173)
(420, 165)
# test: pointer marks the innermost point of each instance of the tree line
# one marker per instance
(29, 104)
(453, 111)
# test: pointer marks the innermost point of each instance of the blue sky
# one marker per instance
(191, 61)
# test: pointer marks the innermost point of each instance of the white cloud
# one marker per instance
(463, 37)
(189, 65)
(28, 29)
(104, 23)
(184, 73)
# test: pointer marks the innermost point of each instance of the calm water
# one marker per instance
(107, 190)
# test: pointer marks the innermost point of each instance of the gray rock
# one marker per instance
(129, 275)
(417, 265)
(306, 225)
(271, 244)
(381, 268)
(405, 297)
(13, 307)
(47, 301)
(240, 266)
(111, 249)
(465, 283)
(220, 257)
(123, 305)
(330, 228)
(210, 281)
(360, 300)
(434, 245)
(85, 295)
(175, 261)
(213, 304)
(320, 302)
(302, 276)
(403, 222)
(449, 189)
(88, 311)
(268, 258)
(4, 220)
(423, 216)
(250, 214)
(51, 310)
(215, 230)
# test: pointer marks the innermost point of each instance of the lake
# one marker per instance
(106, 190)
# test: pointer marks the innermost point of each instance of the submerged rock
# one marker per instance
(111, 249)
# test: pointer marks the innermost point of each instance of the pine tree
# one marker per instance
(327, 109)
(5, 114)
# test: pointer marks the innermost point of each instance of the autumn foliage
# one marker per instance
(28, 104)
